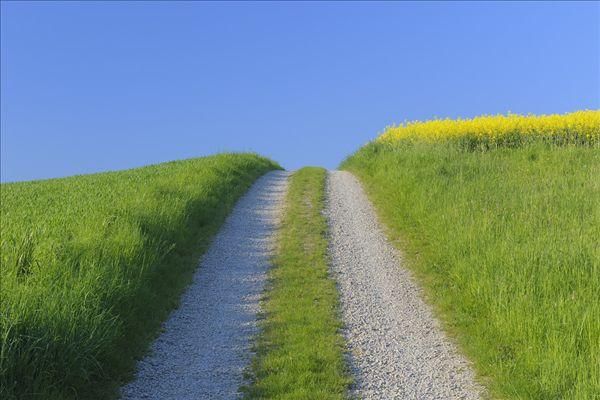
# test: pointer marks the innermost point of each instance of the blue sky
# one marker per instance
(90, 87)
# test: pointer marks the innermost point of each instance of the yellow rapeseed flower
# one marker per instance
(580, 127)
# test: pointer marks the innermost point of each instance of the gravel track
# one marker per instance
(396, 347)
(206, 343)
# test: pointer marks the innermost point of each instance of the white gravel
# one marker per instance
(206, 343)
(396, 347)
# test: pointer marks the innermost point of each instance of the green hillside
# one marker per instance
(92, 264)
(505, 240)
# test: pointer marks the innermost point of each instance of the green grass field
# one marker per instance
(506, 244)
(499, 217)
(300, 349)
(92, 264)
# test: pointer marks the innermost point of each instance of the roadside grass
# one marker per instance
(300, 349)
(91, 265)
(506, 244)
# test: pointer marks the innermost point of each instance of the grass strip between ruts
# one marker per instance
(300, 349)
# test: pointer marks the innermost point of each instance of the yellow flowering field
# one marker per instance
(579, 128)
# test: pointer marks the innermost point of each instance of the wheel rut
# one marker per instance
(396, 348)
(206, 342)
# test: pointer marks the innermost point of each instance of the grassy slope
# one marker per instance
(92, 264)
(506, 242)
(300, 348)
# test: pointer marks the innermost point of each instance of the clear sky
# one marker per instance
(90, 87)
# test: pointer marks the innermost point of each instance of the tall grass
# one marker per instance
(300, 349)
(92, 264)
(506, 244)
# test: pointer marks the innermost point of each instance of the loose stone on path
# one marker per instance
(206, 343)
(397, 349)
